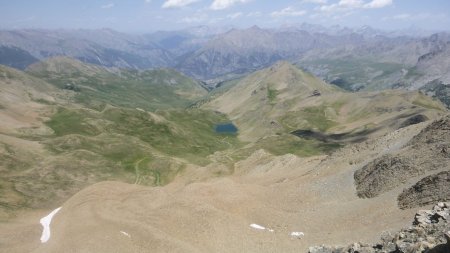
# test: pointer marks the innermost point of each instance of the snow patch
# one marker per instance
(256, 226)
(125, 234)
(100, 60)
(297, 234)
(45, 222)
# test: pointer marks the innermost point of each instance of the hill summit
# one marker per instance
(283, 98)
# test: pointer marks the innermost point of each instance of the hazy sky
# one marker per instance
(151, 15)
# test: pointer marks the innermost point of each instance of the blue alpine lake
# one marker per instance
(226, 128)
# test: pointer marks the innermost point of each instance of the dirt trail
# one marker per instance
(136, 170)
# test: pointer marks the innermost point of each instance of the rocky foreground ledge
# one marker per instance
(430, 233)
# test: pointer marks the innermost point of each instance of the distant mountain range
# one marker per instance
(105, 47)
(352, 58)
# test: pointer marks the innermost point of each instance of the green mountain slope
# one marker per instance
(55, 141)
(272, 103)
(96, 86)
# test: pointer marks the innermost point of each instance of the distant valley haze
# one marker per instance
(143, 16)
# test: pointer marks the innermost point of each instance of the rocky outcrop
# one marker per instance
(427, 152)
(428, 190)
(383, 174)
(437, 134)
(430, 233)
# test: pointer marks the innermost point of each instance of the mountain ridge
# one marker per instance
(283, 97)
(89, 81)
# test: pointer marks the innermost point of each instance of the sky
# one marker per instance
(151, 15)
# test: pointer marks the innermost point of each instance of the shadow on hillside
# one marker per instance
(350, 137)
(401, 121)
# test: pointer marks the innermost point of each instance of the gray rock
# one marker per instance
(390, 247)
(423, 217)
(366, 250)
(403, 247)
(320, 249)
(386, 236)
(340, 250)
(424, 246)
(355, 247)
(430, 233)
(443, 214)
(441, 205)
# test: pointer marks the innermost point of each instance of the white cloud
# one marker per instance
(417, 16)
(234, 15)
(375, 4)
(108, 6)
(254, 14)
(315, 1)
(148, 1)
(288, 12)
(177, 3)
(197, 17)
(224, 4)
(190, 20)
(343, 5)
(348, 5)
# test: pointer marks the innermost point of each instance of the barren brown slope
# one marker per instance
(288, 194)
(421, 167)
(25, 105)
(23, 99)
